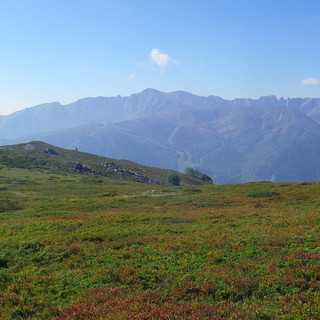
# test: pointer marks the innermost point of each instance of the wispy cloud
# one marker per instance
(313, 82)
(130, 77)
(162, 60)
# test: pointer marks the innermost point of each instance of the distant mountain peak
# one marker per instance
(150, 90)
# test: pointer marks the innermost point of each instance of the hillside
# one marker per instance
(83, 247)
(42, 156)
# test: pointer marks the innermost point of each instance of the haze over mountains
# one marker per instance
(232, 141)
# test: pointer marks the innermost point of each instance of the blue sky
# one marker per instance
(65, 50)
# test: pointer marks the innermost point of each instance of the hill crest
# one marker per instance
(40, 155)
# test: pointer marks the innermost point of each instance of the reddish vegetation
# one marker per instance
(122, 304)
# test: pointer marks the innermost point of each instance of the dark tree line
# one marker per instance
(197, 174)
(174, 179)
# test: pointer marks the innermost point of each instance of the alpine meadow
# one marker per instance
(83, 240)
(160, 160)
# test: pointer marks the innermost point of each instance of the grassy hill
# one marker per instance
(42, 156)
(84, 246)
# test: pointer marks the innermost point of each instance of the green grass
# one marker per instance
(33, 156)
(84, 247)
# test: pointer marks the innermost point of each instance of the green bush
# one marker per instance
(174, 179)
(205, 178)
(197, 174)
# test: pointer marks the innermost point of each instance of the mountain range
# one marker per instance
(232, 141)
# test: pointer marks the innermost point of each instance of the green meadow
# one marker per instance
(83, 247)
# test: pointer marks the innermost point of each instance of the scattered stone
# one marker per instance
(113, 168)
(128, 174)
(86, 170)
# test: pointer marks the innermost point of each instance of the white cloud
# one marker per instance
(130, 77)
(311, 82)
(161, 59)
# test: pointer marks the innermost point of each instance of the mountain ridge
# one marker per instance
(149, 102)
(232, 141)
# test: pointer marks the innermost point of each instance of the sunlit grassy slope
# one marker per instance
(42, 156)
(84, 247)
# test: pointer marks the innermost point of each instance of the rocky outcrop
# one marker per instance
(128, 174)
(113, 169)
